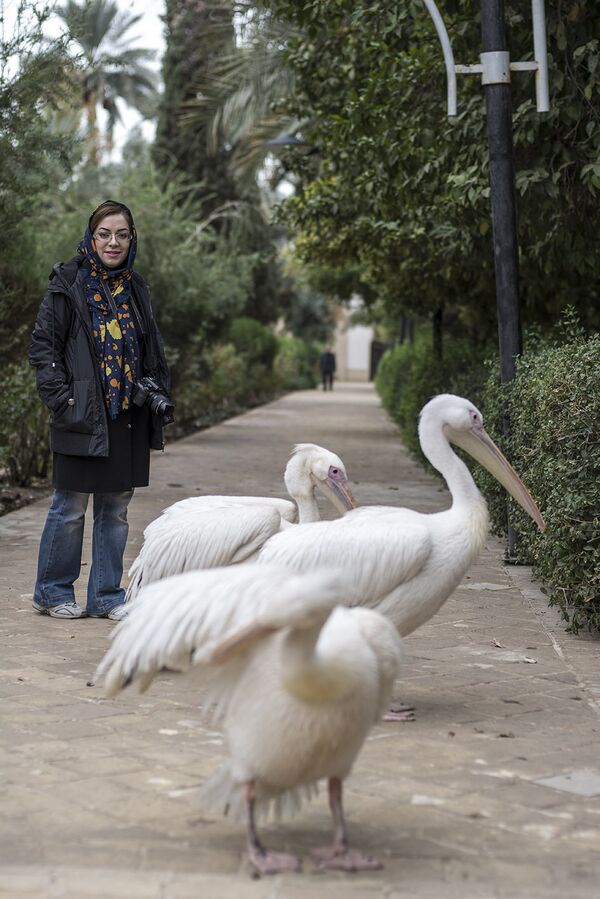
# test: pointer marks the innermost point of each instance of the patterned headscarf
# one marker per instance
(115, 339)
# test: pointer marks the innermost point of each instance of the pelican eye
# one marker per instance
(334, 473)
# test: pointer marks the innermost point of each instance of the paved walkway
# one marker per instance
(493, 792)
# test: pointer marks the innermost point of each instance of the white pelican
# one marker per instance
(403, 563)
(208, 531)
(298, 682)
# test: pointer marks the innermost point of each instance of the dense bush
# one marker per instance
(554, 409)
(410, 374)
(24, 452)
(252, 367)
(253, 341)
(36, 77)
(222, 391)
(296, 364)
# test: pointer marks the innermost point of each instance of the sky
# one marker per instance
(150, 28)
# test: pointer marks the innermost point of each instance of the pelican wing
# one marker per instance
(209, 618)
(378, 547)
(198, 539)
(285, 507)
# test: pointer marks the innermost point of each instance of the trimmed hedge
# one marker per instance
(253, 367)
(554, 408)
(296, 364)
(409, 375)
(24, 453)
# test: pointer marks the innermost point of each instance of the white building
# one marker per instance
(352, 344)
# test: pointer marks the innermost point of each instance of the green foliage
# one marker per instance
(213, 86)
(198, 280)
(554, 410)
(235, 375)
(308, 313)
(224, 389)
(197, 37)
(111, 69)
(235, 99)
(410, 374)
(296, 364)
(403, 191)
(24, 452)
(35, 82)
(406, 378)
(253, 341)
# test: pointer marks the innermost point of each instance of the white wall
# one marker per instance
(352, 345)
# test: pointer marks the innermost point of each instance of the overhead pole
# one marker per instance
(502, 183)
(498, 102)
(495, 68)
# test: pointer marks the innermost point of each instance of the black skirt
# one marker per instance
(126, 466)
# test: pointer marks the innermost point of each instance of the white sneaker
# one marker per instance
(65, 610)
(118, 613)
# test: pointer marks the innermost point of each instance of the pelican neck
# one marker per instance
(437, 450)
(308, 509)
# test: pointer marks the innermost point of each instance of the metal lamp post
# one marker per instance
(495, 68)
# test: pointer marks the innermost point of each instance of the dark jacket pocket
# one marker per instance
(79, 414)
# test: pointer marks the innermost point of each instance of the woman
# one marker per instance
(95, 337)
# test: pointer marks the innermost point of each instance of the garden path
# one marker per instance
(494, 791)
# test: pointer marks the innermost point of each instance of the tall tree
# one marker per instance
(35, 79)
(198, 34)
(112, 70)
(241, 98)
(403, 191)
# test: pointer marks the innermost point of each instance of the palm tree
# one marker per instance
(111, 69)
(240, 99)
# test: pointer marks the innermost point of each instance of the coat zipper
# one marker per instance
(66, 289)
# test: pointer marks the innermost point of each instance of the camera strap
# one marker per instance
(138, 315)
(111, 303)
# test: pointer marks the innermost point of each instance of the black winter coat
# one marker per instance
(68, 375)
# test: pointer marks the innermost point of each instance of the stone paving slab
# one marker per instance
(99, 798)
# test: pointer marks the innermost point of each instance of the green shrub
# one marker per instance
(296, 363)
(255, 342)
(24, 448)
(554, 411)
(409, 375)
(224, 382)
(554, 408)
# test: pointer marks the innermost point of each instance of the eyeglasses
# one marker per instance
(106, 236)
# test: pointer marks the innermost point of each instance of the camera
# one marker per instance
(147, 392)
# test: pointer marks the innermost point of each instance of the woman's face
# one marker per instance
(113, 236)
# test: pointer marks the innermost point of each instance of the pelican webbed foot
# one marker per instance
(342, 858)
(266, 862)
(263, 860)
(339, 856)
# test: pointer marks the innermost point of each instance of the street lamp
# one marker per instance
(495, 68)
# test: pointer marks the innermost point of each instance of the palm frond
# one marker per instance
(237, 100)
(112, 70)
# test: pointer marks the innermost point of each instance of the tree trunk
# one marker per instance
(438, 324)
(402, 330)
(93, 135)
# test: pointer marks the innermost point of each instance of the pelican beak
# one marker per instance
(335, 488)
(478, 444)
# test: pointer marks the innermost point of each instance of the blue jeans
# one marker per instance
(59, 561)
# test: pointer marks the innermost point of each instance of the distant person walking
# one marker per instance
(101, 371)
(327, 365)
